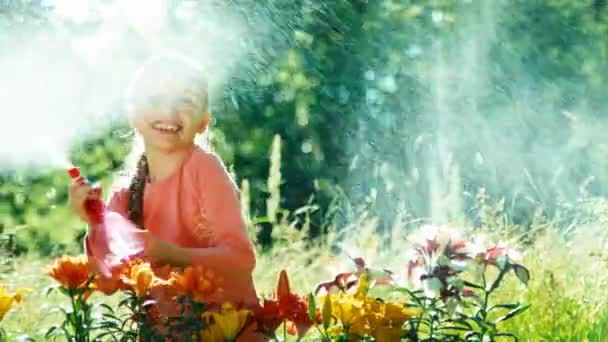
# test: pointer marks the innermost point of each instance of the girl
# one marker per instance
(180, 192)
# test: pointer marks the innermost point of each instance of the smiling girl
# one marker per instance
(180, 192)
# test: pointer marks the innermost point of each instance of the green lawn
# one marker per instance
(567, 290)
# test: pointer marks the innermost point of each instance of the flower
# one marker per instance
(225, 325)
(439, 256)
(197, 281)
(70, 272)
(109, 285)
(396, 315)
(365, 316)
(501, 256)
(341, 283)
(284, 306)
(344, 282)
(350, 312)
(8, 300)
(140, 279)
(496, 255)
(268, 316)
(388, 334)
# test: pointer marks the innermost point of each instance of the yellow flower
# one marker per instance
(141, 279)
(365, 316)
(70, 272)
(396, 314)
(363, 287)
(388, 334)
(8, 300)
(388, 320)
(348, 311)
(224, 325)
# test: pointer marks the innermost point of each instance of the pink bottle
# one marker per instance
(112, 239)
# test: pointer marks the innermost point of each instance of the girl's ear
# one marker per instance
(205, 121)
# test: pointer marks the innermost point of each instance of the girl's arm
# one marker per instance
(222, 220)
(235, 259)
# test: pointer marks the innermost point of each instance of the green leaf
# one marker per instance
(312, 308)
(110, 333)
(110, 316)
(471, 335)
(522, 273)
(461, 321)
(513, 313)
(502, 262)
(469, 284)
(504, 306)
(507, 335)
(107, 307)
(64, 291)
(50, 289)
(104, 325)
(52, 331)
(454, 328)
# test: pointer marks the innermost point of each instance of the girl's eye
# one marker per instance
(185, 105)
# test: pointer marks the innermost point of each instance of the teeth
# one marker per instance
(166, 127)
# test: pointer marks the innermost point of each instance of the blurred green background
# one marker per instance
(396, 107)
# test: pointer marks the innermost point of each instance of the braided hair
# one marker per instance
(135, 206)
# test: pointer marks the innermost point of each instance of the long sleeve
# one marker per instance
(221, 219)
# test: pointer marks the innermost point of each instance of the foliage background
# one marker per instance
(487, 113)
(389, 105)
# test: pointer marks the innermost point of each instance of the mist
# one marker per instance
(66, 76)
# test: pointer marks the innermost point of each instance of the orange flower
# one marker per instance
(283, 288)
(164, 272)
(197, 282)
(109, 285)
(141, 279)
(70, 272)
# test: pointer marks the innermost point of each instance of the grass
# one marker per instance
(566, 255)
(567, 288)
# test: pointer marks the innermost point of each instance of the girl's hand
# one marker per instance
(78, 192)
(160, 251)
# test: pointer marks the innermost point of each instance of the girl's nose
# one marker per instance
(166, 111)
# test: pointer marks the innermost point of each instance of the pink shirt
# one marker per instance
(198, 206)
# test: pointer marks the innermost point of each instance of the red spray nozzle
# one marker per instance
(93, 207)
(74, 172)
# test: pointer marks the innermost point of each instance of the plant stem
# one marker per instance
(76, 316)
(285, 332)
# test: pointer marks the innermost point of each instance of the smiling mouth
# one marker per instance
(166, 127)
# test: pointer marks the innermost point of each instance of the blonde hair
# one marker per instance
(167, 74)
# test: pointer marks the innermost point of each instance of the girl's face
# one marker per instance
(169, 123)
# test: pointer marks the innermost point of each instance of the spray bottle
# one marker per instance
(116, 239)
(94, 208)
